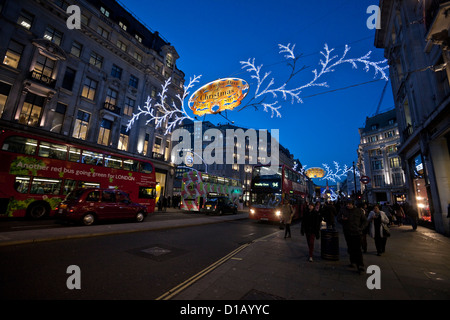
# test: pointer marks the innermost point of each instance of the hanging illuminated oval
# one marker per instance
(218, 95)
(315, 173)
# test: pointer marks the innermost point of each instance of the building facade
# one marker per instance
(378, 159)
(415, 38)
(83, 84)
(244, 153)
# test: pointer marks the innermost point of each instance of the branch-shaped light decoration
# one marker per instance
(328, 64)
(338, 172)
(163, 113)
(172, 115)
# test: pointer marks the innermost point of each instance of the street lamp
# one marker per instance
(354, 177)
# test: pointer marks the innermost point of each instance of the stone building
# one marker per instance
(415, 38)
(83, 85)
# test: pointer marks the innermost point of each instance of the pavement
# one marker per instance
(415, 266)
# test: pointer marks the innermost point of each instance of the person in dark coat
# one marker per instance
(329, 215)
(353, 222)
(311, 227)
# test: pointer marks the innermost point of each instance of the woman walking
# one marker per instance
(378, 220)
(311, 228)
(288, 213)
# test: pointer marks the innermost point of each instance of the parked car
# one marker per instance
(219, 205)
(93, 204)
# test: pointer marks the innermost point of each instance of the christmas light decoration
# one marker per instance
(266, 94)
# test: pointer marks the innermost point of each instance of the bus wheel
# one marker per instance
(38, 210)
(88, 219)
(140, 217)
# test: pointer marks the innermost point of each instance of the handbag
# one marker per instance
(386, 232)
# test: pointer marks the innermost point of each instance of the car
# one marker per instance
(219, 205)
(89, 205)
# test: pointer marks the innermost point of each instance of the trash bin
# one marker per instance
(329, 244)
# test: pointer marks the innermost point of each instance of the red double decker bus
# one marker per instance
(36, 174)
(268, 188)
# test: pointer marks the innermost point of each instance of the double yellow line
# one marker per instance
(174, 291)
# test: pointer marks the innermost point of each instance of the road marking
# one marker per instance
(176, 290)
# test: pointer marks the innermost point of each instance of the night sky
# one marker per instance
(213, 36)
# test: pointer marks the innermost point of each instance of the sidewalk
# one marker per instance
(416, 266)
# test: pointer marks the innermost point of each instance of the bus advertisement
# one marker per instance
(268, 188)
(197, 187)
(37, 173)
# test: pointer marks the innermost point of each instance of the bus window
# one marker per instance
(82, 184)
(113, 162)
(51, 150)
(147, 193)
(130, 165)
(45, 186)
(74, 154)
(21, 184)
(20, 145)
(69, 185)
(93, 158)
(146, 167)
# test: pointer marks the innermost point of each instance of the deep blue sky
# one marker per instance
(212, 36)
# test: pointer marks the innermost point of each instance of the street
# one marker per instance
(139, 265)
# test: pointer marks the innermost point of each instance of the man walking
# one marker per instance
(353, 221)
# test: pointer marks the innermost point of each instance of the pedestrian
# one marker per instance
(164, 203)
(378, 220)
(311, 228)
(353, 222)
(329, 215)
(399, 213)
(412, 215)
(365, 231)
(287, 213)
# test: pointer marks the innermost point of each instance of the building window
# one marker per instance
(377, 164)
(53, 35)
(394, 162)
(378, 180)
(116, 71)
(137, 56)
(58, 118)
(122, 46)
(133, 81)
(372, 138)
(43, 69)
(157, 145)
(129, 106)
(96, 60)
(89, 88)
(145, 148)
(111, 97)
(169, 61)
(123, 26)
(76, 49)
(25, 19)
(13, 54)
(4, 93)
(105, 132)
(391, 148)
(81, 125)
(69, 78)
(123, 139)
(62, 4)
(31, 110)
(138, 37)
(104, 11)
(389, 134)
(397, 179)
(103, 32)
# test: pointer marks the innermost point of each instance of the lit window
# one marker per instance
(104, 11)
(25, 19)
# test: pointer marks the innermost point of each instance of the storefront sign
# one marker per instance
(219, 95)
